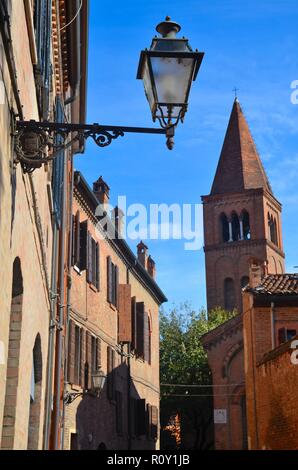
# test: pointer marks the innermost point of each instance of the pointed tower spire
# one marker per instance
(239, 167)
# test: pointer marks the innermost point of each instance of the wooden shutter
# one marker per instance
(109, 280)
(98, 345)
(88, 364)
(141, 417)
(148, 420)
(83, 245)
(124, 315)
(282, 337)
(77, 239)
(83, 358)
(132, 423)
(71, 351)
(73, 247)
(140, 328)
(146, 337)
(116, 287)
(109, 373)
(89, 258)
(97, 254)
(119, 413)
(154, 422)
(133, 323)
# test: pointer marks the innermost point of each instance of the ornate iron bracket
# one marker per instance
(37, 143)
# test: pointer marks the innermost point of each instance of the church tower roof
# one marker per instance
(239, 167)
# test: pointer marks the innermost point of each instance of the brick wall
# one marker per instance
(271, 379)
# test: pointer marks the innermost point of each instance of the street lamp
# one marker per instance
(167, 70)
(98, 379)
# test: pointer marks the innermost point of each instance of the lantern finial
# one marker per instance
(168, 28)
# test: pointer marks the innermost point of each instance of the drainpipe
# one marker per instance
(69, 282)
(53, 306)
(61, 307)
(272, 315)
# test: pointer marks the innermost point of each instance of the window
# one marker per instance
(141, 331)
(92, 261)
(245, 225)
(147, 338)
(235, 227)
(112, 282)
(119, 413)
(42, 18)
(229, 294)
(111, 356)
(224, 228)
(272, 229)
(85, 251)
(285, 334)
(152, 422)
(58, 167)
(78, 353)
(95, 353)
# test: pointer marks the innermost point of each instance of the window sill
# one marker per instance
(93, 288)
(112, 306)
(77, 270)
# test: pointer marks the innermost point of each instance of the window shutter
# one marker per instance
(148, 420)
(88, 364)
(119, 413)
(76, 241)
(111, 373)
(146, 337)
(73, 257)
(141, 417)
(83, 358)
(116, 287)
(109, 280)
(98, 345)
(132, 418)
(83, 245)
(89, 258)
(71, 351)
(134, 323)
(124, 314)
(140, 328)
(154, 422)
(282, 337)
(97, 254)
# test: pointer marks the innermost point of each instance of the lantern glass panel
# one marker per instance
(172, 78)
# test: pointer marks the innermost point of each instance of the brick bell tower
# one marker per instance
(242, 218)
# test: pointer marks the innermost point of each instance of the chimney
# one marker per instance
(257, 270)
(151, 267)
(143, 254)
(101, 191)
(118, 220)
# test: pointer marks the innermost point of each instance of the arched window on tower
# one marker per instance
(235, 227)
(229, 294)
(224, 228)
(245, 225)
(272, 229)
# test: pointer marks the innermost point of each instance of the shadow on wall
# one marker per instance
(113, 421)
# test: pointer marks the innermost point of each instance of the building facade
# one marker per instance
(242, 220)
(42, 73)
(113, 326)
(270, 324)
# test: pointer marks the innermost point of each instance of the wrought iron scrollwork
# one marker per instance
(37, 143)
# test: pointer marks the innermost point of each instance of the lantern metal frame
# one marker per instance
(146, 55)
(69, 396)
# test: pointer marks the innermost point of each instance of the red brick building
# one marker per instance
(270, 323)
(113, 325)
(242, 220)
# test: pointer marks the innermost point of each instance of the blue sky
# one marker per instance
(251, 45)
